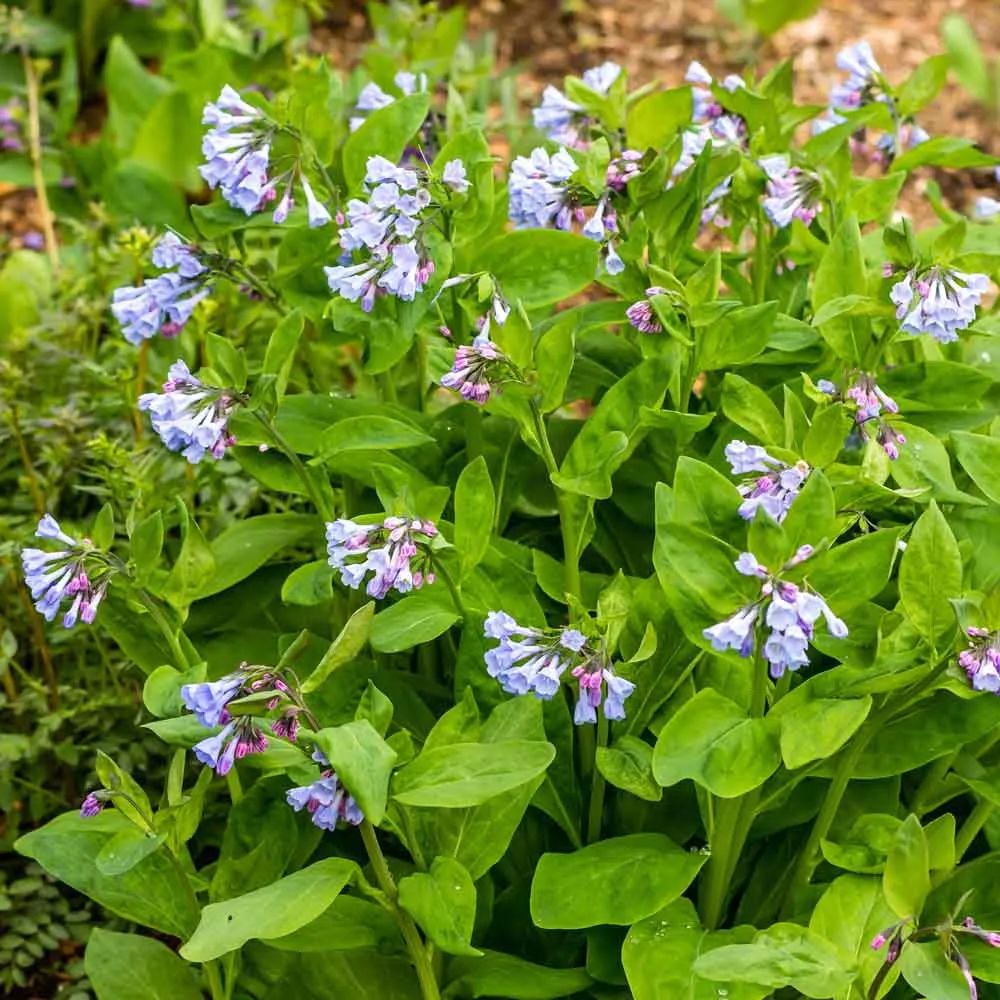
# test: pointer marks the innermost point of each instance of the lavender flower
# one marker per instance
(789, 611)
(940, 301)
(563, 120)
(326, 800)
(455, 177)
(533, 660)
(236, 740)
(91, 805)
(165, 303)
(77, 572)
(385, 230)
(641, 314)
(478, 368)
(792, 193)
(774, 484)
(864, 82)
(870, 401)
(539, 190)
(396, 552)
(622, 169)
(981, 661)
(189, 416)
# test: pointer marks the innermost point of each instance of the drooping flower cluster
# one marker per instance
(642, 315)
(190, 417)
(564, 121)
(326, 800)
(478, 368)
(241, 734)
(540, 195)
(866, 83)
(773, 485)
(533, 660)
(385, 231)
(165, 303)
(397, 553)
(792, 193)
(622, 169)
(981, 661)
(12, 125)
(870, 401)
(940, 301)
(78, 572)
(374, 98)
(237, 151)
(791, 614)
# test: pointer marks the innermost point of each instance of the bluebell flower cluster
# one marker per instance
(981, 661)
(326, 800)
(237, 151)
(478, 368)
(773, 485)
(77, 573)
(789, 610)
(165, 303)
(385, 230)
(564, 121)
(871, 404)
(533, 660)
(396, 552)
(540, 194)
(940, 301)
(374, 98)
(240, 735)
(792, 193)
(641, 314)
(190, 417)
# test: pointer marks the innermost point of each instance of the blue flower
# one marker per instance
(774, 489)
(189, 416)
(455, 177)
(327, 802)
(208, 700)
(539, 196)
(940, 301)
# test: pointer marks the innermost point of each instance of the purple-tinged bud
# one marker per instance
(91, 806)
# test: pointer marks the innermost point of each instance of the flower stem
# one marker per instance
(597, 785)
(761, 258)
(969, 830)
(169, 633)
(35, 151)
(414, 945)
(319, 501)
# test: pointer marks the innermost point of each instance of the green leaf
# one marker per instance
(925, 968)
(615, 881)
(132, 967)
(827, 433)
(540, 266)
(628, 765)
(712, 740)
(736, 337)
(349, 642)
(102, 533)
(132, 93)
(655, 119)
(841, 272)
(930, 577)
(497, 975)
(270, 912)
(850, 574)
(243, 548)
(475, 506)
(818, 729)
(980, 457)
(749, 407)
(123, 851)
(467, 774)
(659, 954)
(967, 58)
(363, 762)
(922, 85)
(309, 584)
(906, 881)
(554, 356)
(133, 803)
(281, 346)
(146, 544)
(417, 618)
(783, 955)
(944, 151)
(153, 893)
(443, 903)
(369, 433)
(385, 132)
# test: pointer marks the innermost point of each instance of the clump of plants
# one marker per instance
(570, 576)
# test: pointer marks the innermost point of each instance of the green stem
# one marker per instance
(421, 348)
(35, 151)
(169, 633)
(414, 945)
(934, 776)
(319, 501)
(571, 557)
(215, 986)
(731, 827)
(386, 387)
(761, 258)
(597, 785)
(969, 830)
(450, 584)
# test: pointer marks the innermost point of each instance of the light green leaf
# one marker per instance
(363, 762)
(131, 967)
(443, 903)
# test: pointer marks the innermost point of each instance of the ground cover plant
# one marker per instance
(559, 557)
